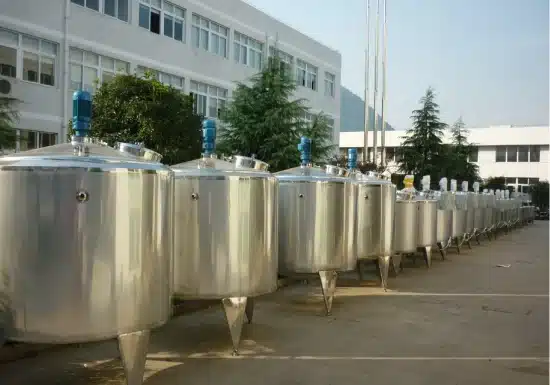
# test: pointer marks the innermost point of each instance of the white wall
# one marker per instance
(487, 139)
(93, 31)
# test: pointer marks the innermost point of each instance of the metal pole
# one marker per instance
(384, 95)
(376, 54)
(366, 119)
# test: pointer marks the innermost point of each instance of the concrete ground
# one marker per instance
(464, 321)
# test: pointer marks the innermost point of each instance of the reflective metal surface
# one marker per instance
(225, 229)
(316, 220)
(406, 226)
(427, 223)
(375, 219)
(86, 244)
(444, 225)
(459, 223)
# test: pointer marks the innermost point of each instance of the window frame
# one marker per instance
(250, 45)
(287, 60)
(310, 75)
(20, 51)
(534, 149)
(163, 77)
(163, 11)
(102, 5)
(37, 139)
(504, 156)
(330, 84)
(510, 155)
(99, 68)
(222, 95)
(201, 25)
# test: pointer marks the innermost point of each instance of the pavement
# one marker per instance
(463, 321)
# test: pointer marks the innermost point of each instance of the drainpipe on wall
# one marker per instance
(65, 66)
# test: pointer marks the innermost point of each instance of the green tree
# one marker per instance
(8, 117)
(320, 131)
(263, 120)
(143, 110)
(422, 151)
(540, 194)
(456, 155)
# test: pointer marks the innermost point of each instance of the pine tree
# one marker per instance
(8, 117)
(458, 154)
(263, 120)
(422, 149)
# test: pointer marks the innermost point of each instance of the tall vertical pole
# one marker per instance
(384, 95)
(367, 75)
(376, 54)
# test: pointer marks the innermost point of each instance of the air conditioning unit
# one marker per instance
(5, 87)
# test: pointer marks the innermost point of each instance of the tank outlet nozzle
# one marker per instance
(305, 150)
(208, 137)
(476, 187)
(352, 158)
(465, 185)
(82, 112)
(443, 184)
(453, 185)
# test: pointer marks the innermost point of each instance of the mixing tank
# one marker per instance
(406, 219)
(446, 205)
(314, 222)
(86, 235)
(427, 220)
(375, 214)
(225, 232)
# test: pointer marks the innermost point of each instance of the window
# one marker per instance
(170, 80)
(330, 80)
(286, 60)
(248, 51)
(523, 153)
(35, 57)
(501, 154)
(30, 140)
(88, 69)
(174, 21)
(512, 154)
(9, 42)
(306, 75)
(209, 35)
(209, 100)
(473, 155)
(523, 180)
(390, 154)
(510, 180)
(330, 122)
(308, 117)
(115, 8)
(533, 180)
(149, 15)
(535, 154)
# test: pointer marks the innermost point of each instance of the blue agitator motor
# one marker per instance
(82, 112)
(208, 136)
(305, 150)
(352, 158)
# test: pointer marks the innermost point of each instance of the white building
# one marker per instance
(49, 48)
(520, 154)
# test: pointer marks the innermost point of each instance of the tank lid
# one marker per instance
(70, 155)
(313, 173)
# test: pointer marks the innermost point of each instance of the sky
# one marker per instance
(488, 60)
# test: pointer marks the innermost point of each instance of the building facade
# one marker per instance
(352, 113)
(520, 154)
(50, 48)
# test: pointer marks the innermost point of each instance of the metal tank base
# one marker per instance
(385, 265)
(133, 353)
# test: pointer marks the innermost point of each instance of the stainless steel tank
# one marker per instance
(427, 225)
(375, 221)
(86, 234)
(315, 226)
(406, 225)
(225, 232)
(459, 219)
(446, 205)
(488, 220)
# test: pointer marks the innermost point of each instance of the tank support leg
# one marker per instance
(457, 245)
(249, 309)
(328, 286)
(235, 308)
(360, 271)
(384, 266)
(441, 250)
(428, 255)
(133, 353)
